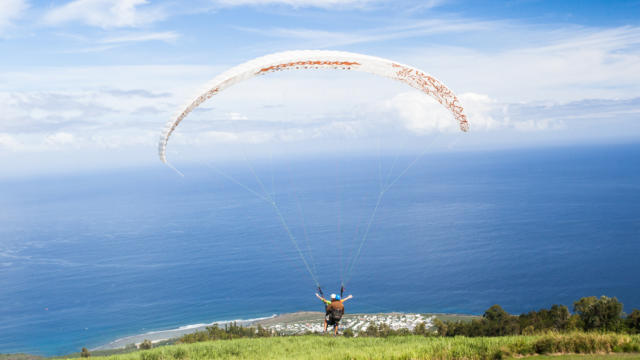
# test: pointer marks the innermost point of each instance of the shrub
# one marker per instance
(230, 331)
(146, 345)
(384, 330)
(85, 352)
(348, 333)
(522, 346)
(372, 330)
(421, 329)
(179, 354)
(633, 321)
(529, 330)
(627, 347)
(441, 327)
(150, 355)
(581, 344)
(544, 345)
(500, 354)
(262, 332)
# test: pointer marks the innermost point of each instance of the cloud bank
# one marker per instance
(11, 10)
(73, 88)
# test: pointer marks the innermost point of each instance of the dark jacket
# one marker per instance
(335, 309)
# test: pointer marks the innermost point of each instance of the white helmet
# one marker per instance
(333, 296)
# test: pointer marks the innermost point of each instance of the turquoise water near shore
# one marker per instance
(89, 258)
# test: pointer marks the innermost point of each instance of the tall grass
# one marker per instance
(395, 347)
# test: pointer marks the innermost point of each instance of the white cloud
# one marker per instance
(237, 116)
(480, 110)
(130, 137)
(166, 36)
(329, 39)
(556, 66)
(120, 107)
(217, 136)
(90, 49)
(297, 3)
(525, 82)
(125, 108)
(10, 10)
(421, 114)
(9, 142)
(539, 125)
(60, 139)
(106, 13)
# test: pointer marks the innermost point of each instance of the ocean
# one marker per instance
(89, 258)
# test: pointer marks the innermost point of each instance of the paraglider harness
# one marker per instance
(333, 315)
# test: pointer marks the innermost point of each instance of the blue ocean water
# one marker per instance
(89, 258)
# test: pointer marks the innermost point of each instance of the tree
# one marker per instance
(574, 322)
(633, 321)
(262, 332)
(420, 329)
(559, 317)
(475, 328)
(371, 330)
(384, 330)
(599, 314)
(584, 309)
(146, 345)
(85, 352)
(499, 322)
(556, 318)
(441, 328)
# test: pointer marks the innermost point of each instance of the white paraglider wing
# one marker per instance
(321, 59)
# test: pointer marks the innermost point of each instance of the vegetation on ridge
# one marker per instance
(602, 314)
(392, 347)
(597, 326)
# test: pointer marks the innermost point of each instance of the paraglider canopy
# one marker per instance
(321, 59)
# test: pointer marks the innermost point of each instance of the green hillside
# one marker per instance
(587, 357)
(394, 347)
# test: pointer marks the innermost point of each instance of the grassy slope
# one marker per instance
(20, 357)
(328, 347)
(585, 357)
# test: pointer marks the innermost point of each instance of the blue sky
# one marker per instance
(93, 81)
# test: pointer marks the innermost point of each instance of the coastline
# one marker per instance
(293, 323)
(164, 335)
